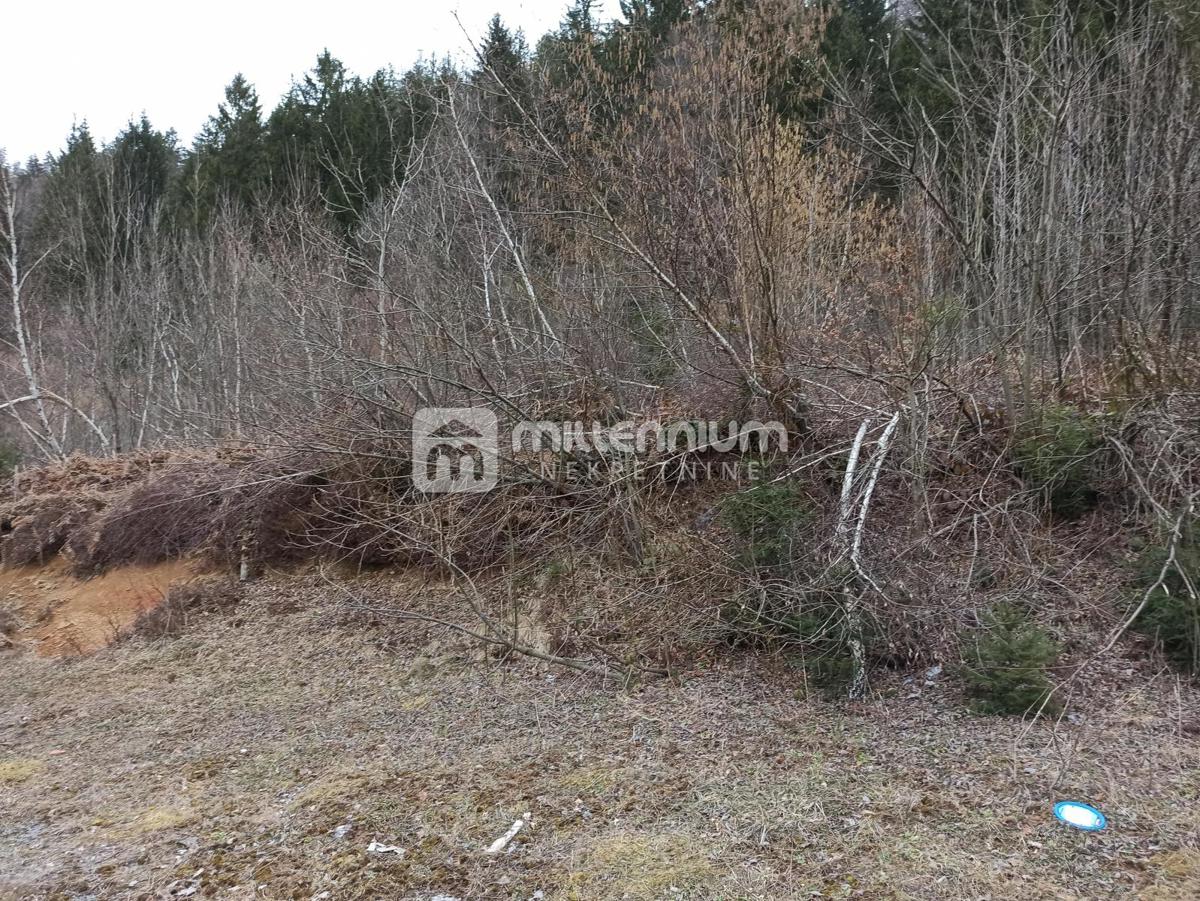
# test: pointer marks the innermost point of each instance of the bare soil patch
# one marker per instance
(57, 614)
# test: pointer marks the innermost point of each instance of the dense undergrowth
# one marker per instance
(669, 570)
(912, 261)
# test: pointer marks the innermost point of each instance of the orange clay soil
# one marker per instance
(59, 614)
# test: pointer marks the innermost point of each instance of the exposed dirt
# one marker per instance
(262, 752)
(57, 614)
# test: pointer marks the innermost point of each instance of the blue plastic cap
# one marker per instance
(1080, 815)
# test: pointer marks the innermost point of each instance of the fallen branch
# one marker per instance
(492, 637)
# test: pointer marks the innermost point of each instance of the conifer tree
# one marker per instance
(504, 76)
(234, 138)
(144, 163)
(1006, 667)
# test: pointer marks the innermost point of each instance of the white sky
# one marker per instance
(107, 62)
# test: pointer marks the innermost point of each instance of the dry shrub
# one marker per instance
(265, 511)
(183, 604)
(352, 512)
(54, 505)
(167, 517)
(521, 521)
(98, 474)
(222, 510)
(369, 514)
(8, 624)
(39, 526)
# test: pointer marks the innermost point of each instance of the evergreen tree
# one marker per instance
(232, 143)
(73, 212)
(568, 61)
(655, 18)
(503, 70)
(144, 164)
(504, 76)
(855, 51)
(636, 42)
(229, 160)
(558, 52)
(855, 43)
(347, 138)
(295, 130)
(1006, 666)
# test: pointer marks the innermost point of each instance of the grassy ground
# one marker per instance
(264, 750)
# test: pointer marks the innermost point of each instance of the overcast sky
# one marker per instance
(109, 61)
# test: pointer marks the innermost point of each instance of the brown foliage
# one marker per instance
(183, 604)
(169, 516)
(222, 510)
(39, 526)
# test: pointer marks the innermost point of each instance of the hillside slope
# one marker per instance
(263, 750)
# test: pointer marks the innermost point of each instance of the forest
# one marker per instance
(951, 248)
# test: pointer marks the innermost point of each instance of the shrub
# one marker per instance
(1171, 614)
(652, 331)
(37, 535)
(767, 520)
(10, 457)
(161, 519)
(822, 625)
(183, 604)
(1058, 458)
(792, 601)
(1007, 661)
(209, 507)
(8, 623)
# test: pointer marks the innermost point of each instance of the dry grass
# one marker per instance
(240, 746)
(642, 865)
(184, 602)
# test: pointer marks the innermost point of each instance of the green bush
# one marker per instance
(653, 333)
(794, 601)
(767, 521)
(807, 617)
(1007, 660)
(10, 456)
(1171, 615)
(1059, 457)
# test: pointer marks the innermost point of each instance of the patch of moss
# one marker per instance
(641, 866)
(19, 769)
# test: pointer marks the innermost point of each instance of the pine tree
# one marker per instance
(1006, 666)
(655, 17)
(568, 60)
(1171, 612)
(503, 69)
(144, 165)
(855, 43)
(504, 75)
(231, 145)
(72, 212)
(296, 128)
(228, 160)
(635, 43)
